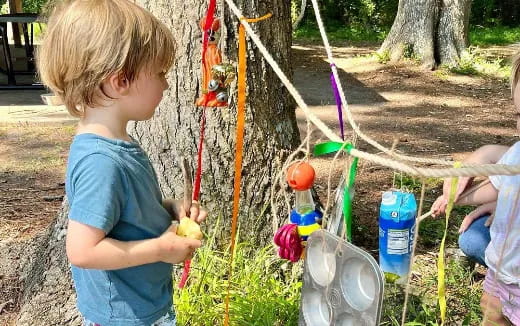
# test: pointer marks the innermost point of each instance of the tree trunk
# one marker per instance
(434, 31)
(271, 130)
(271, 133)
(300, 15)
(48, 297)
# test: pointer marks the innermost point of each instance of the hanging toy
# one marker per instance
(289, 241)
(304, 217)
(216, 76)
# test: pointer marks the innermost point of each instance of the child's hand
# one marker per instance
(177, 210)
(174, 249)
(197, 213)
(484, 209)
(440, 204)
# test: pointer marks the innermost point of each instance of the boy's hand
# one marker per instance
(174, 249)
(177, 210)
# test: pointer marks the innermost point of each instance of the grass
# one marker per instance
(462, 290)
(498, 35)
(338, 32)
(475, 61)
(45, 146)
(463, 296)
(479, 36)
(265, 290)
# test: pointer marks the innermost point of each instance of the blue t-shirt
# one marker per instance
(112, 186)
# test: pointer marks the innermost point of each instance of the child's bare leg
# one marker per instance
(492, 311)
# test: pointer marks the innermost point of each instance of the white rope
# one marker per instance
(350, 118)
(467, 171)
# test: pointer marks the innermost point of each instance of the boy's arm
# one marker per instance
(88, 247)
(485, 194)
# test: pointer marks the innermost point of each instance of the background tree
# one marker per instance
(271, 133)
(436, 32)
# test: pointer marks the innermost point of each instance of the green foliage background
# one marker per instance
(378, 15)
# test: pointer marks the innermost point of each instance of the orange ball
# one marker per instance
(300, 176)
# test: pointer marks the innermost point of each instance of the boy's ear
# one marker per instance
(118, 84)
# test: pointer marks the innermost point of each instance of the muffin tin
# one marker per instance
(342, 284)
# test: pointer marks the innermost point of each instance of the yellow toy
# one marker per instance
(189, 228)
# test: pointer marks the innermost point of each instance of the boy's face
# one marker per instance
(146, 92)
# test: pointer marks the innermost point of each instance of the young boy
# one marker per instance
(501, 297)
(107, 60)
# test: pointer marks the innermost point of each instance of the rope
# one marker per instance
(468, 170)
(196, 191)
(351, 120)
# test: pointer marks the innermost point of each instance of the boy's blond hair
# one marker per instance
(515, 72)
(88, 40)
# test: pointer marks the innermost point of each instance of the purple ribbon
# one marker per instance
(338, 102)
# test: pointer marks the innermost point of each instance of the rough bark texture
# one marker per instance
(271, 129)
(48, 296)
(436, 31)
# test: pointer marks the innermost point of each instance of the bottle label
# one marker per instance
(398, 241)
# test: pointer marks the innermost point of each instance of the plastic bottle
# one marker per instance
(396, 230)
(304, 202)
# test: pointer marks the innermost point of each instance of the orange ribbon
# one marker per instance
(241, 118)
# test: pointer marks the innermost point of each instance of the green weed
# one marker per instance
(340, 32)
(497, 35)
(462, 292)
(473, 61)
(264, 290)
(382, 56)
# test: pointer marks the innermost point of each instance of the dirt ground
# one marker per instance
(428, 113)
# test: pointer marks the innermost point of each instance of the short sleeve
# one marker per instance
(97, 195)
(511, 157)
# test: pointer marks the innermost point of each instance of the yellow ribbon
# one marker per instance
(441, 284)
(241, 117)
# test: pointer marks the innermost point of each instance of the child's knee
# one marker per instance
(489, 302)
(492, 311)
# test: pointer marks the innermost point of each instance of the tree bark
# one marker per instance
(48, 296)
(435, 31)
(271, 130)
(271, 133)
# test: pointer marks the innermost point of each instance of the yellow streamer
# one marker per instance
(241, 117)
(441, 284)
